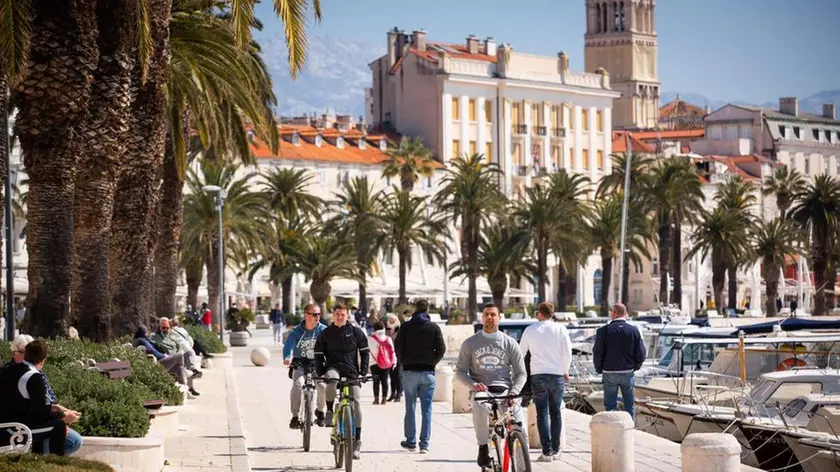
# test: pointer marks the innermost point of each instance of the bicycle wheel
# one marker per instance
(349, 438)
(497, 461)
(338, 440)
(520, 458)
(307, 420)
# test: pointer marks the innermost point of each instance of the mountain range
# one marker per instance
(337, 73)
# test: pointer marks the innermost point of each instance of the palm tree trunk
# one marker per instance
(770, 273)
(105, 133)
(542, 262)
(820, 260)
(4, 144)
(664, 257)
(678, 264)
(193, 273)
(320, 292)
(287, 295)
(53, 102)
(562, 301)
(407, 181)
(363, 291)
(138, 186)
(732, 296)
(718, 277)
(625, 282)
(170, 210)
(498, 286)
(213, 294)
(606, 282)
(402, 253)
(472, 262)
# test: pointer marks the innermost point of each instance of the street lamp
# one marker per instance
(220, 202)
(624, 205)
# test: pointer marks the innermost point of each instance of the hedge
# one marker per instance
(40, 463)
(207, 338)
(112, 408)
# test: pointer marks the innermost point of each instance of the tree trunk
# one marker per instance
(193, 273)
(542, 262)
(625, 289)
(138, 187)
(407, 181)
(103, 136)
(606, 282)
(402, 253)
(213, 278)
(287, 295)
(498, 286)
(732, 294)
(170, 211)
(363, 291)
(562, 299)
(831, 281)
(678, 264)
(718, 277)
(472, 268)
(770, 273)
(665, 250)
(820, 261)
(320, 291)
(4, 148)
(53, 103)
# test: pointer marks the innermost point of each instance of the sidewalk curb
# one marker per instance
(239, 460)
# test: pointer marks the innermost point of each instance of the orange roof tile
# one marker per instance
(679, 108)
(670, 134)
(619, 143)
(431, 54)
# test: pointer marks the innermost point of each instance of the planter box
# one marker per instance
(239, 338)
(125, 454)
(165, 421)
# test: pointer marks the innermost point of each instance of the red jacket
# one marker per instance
(207, 317)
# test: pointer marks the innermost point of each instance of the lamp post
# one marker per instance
(10, 264)
(220, 202)
(621, 258)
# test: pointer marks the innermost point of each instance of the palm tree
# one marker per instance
(324, 258)
(502, 253)
(408, 225)
(737, 197)
(358, 221)
(469, 197)
(772, 242)
(571, 245)
(720, 233)
(275, 253)
(286, 193)
(52, 102)
(540, 214)
(675, 188)
(409, 161)
(785, 184)
(241, 215)
(817, 211)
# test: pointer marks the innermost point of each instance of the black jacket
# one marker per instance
(419, 345)
(32, 411)
(618, 348)
(344, 349)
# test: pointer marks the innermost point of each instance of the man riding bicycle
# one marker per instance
(299, 351)
(342, 351)
(492, 364)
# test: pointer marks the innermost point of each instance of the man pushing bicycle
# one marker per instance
(492, 364)
(342, 351)
(299, 351)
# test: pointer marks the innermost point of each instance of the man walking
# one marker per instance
(278, 322)
(419, 348)
(619, 351)
(551, 355)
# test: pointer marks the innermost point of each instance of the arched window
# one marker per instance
(616, 18)
(604, 26)
(621, 16)
(597, 283)
(598, 28)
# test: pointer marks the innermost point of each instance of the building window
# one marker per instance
(472, 109)
(456, 148)
(783, 131)
(816, 134)
(515, 114)
(488, 112)
(828, 136)
(535, 115)
(584, 119)
(556, 116)
(600, 160)
(621, 17)
(654, 266)
(473, 148)
(807, 166)
(517, 154)
(556, 157)
(599, 121)
(572, 123)
(746, 132)
(797, 132)
(585, 159)
(616, 19)
(488, 152)
(456, 109)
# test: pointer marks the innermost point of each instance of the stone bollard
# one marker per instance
(461, 398)
(534, 431)
(443, 384)
(613, 442)
(710, 452)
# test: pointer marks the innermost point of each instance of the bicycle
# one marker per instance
(308, 394)
(343, 432)
(505, 430)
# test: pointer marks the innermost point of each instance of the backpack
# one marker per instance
(385, 354)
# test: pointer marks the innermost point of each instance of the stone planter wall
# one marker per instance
(165, 421)
(125, 454)
(238, 338)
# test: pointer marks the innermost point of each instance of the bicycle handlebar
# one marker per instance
(500, 398)
(356, 380)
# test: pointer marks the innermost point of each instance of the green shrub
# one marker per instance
(207, 338)
(293, 319)
(457, 317)
(238, 320)
(399, 309)
(39, 463)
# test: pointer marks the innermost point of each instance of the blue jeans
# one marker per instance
(624, 381)
(418, 385)
(548, 394)
(73, 442)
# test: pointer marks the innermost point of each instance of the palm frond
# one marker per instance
(15, 22)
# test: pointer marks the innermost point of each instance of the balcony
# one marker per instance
(520, 129)
(541, 130)
(558, 132)
(542, 171)
(522, 171)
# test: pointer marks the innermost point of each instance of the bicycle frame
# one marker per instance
(502, 424)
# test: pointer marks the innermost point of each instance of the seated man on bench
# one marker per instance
(174, 363)
(26, 397)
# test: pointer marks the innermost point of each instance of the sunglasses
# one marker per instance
(313, 313)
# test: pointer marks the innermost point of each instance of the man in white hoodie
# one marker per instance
(551, 356)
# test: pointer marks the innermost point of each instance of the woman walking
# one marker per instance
(382, 360)
(392, 328)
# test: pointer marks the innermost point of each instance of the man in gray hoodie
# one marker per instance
(491, 363)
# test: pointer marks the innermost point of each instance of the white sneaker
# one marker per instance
(557, 455)
(545, 458)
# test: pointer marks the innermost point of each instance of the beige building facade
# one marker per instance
(621, 38)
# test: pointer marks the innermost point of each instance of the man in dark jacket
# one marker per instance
(619, 351)
(419, 348)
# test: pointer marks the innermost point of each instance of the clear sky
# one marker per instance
(748, 50)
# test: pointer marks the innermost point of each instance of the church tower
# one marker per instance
(621, 38)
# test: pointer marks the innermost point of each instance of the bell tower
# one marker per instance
(621, 38)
